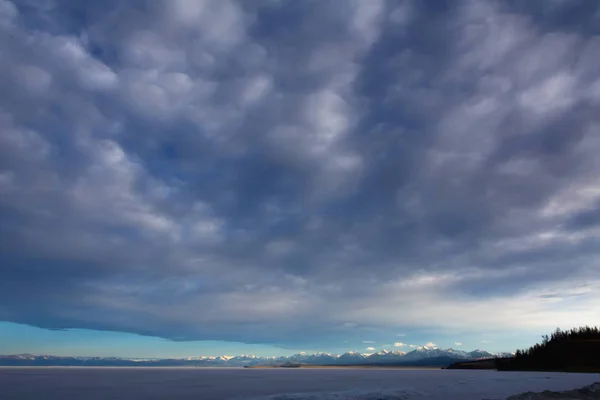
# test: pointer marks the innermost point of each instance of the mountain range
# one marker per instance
(420, 356)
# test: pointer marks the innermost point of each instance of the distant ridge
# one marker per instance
(422, 356)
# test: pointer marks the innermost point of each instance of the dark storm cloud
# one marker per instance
(288, 172)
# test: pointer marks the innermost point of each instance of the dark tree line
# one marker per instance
(577, 349)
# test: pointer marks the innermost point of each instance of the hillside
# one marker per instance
(575, 350)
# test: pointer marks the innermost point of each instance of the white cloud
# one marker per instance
(522, 310)
(369, 341)
(431, 345)
(8, 13)
(399, 344)
(458, 344)
(371, 349)
(279, 248)
(34, 79)
(214, 122)
(91, 73)
(219, 24)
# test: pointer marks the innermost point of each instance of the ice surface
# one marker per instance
(590, 392)
(277, 384)
(348, 395)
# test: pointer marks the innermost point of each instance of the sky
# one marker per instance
(184, 178)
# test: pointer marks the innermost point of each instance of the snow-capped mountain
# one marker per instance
(478, 354)
(348, 358)
(320, 358)
(351, 357)
(307, 358)
(386, 356)
(248, 359)
(423, 352)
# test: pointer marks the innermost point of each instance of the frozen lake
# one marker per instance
(209, 384)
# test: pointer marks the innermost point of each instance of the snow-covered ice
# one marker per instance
(586, 393)
(277, 384)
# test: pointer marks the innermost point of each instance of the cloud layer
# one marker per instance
(295, 172)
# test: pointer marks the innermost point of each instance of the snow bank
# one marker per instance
(590, 392)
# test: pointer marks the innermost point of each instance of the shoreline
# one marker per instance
(342, 367)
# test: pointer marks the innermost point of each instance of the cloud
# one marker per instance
(486, 341)
(458, 344)
(315, 175)
(431, 345)
(399, 344)
(412, 346)
(370, 349)
(369, 341)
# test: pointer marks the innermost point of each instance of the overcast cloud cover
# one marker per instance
(300, 172)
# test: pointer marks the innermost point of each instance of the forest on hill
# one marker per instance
(574, 350)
